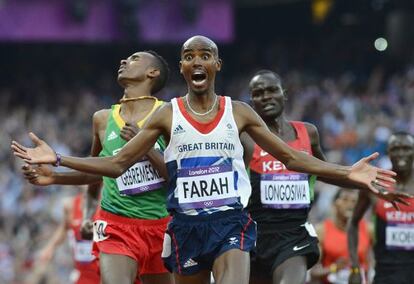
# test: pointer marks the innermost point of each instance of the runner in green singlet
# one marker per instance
(130, 224)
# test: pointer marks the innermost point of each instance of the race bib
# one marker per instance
(204, 187)
(399, 237)
(99, 227)
(285, 191)
(141, 177)
(83, 251)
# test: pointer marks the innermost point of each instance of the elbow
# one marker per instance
(290, 160)
(116, 171)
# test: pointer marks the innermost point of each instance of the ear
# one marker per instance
(219, 63)
(153, 73)
(181, 65)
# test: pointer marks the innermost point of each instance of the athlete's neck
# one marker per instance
(278, 125)
(134, 110)
(201, 102)
(404, 177)
(341, 222)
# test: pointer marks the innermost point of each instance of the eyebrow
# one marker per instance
(202, 49)
(135, 56)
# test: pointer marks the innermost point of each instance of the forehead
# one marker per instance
(141, 54)
(401, 141)
(262, 80)
(198, 44)
(345, 194)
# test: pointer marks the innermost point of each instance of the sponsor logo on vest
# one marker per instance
(178, 130)
(112, 136)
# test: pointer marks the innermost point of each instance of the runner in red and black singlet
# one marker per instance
(287, 244)
(394, 229)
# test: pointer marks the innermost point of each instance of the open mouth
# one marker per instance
(268, 107)
(198, 78)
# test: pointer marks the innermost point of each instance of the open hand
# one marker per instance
(38, 175)
(41, 154)
(394, 197)
(370, 176)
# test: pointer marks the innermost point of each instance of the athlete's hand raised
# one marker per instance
(41, 154)
(38, 175)
(377, 180)
(368, 176)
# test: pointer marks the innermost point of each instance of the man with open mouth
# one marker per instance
(208, 183)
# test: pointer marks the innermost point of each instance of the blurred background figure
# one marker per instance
(86, 269)
(335, 265)
(348, 68)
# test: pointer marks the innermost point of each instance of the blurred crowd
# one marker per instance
(355, 115)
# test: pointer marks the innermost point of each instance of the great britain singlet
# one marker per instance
(394, 233)
(280, 195)
(140, 191)
(205, 163)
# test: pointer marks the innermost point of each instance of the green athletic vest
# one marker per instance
(139, 192)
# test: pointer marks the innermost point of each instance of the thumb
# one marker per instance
(371, 157)
(35, 139)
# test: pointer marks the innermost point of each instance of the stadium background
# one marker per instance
(346, 66)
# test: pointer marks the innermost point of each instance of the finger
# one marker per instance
(26, 167)
(404, 195)
(16, 145)
(23, 156)
(371, 157)
(403, 202)
(395, 205)
(386, 172)
(373, 189)
(383, 184)
(35, 139)
(20, 152)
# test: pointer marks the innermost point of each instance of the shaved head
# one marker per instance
(199, 41)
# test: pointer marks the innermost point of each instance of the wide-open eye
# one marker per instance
(188, 57)
(206, 56)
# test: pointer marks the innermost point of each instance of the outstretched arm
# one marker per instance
(361, 174)
(359, 211)
(58, 236)
(108, 166)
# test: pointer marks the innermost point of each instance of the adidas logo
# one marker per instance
(112, 136)
(233, 241)
(179, 129)
(189, 262)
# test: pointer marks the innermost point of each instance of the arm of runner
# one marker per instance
(248, 146)
(361, 174)
(92, 194)
(353, 232)
(46, 254)
(155, 157)
(107, 166)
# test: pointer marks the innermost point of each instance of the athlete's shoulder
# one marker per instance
(101, 115)
(240, 107)
(311, 128)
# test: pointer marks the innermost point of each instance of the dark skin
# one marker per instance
(401, 153)
(135, 75)
(199, 65)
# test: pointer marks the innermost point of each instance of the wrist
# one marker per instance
(58, 160)
(333, 268)
(355, 269)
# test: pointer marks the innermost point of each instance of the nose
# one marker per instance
(197, 61)
(123, 62)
